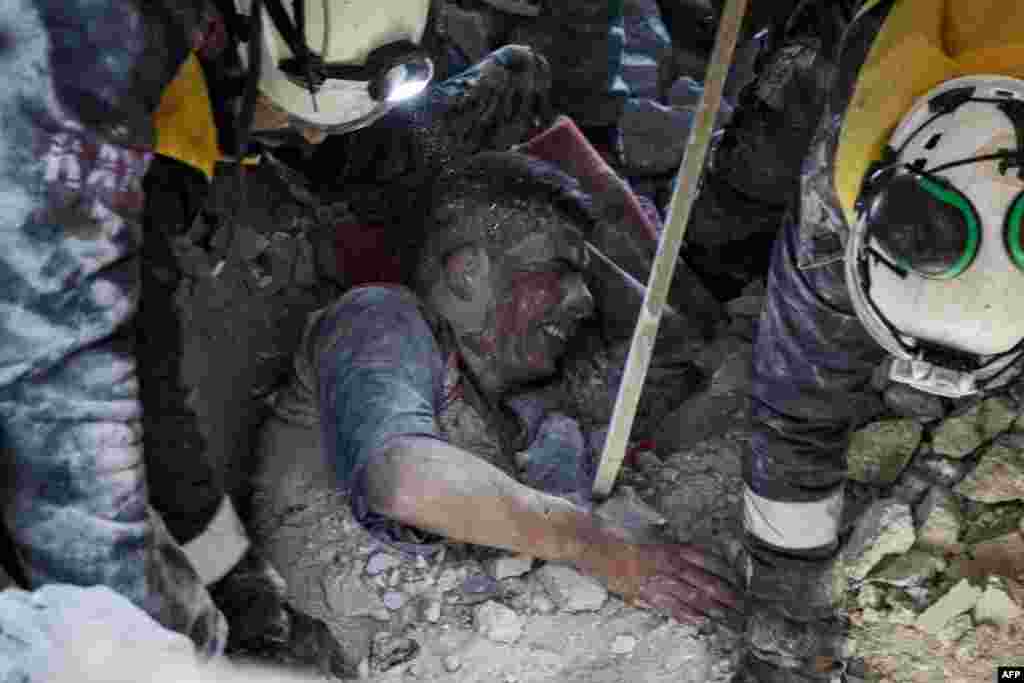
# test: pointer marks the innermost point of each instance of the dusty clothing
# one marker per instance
(77, 107)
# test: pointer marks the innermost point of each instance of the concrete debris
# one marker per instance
(995, 606)
(940, 470)
(349, 596)
(938, 519)
(572, 591)
(959, 435)
(960, 599)
(498, 623)
(886, 528)
(653, 136)
(999, 476)
(879, 451)
(452, 663)
(394, 600)
(508, 566)
(955, 629)
(382, 562)
(624, 645)
(913, 568)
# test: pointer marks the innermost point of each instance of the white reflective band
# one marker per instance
(797, 526)
(222, 544)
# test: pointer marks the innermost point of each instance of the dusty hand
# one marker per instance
(679, 580)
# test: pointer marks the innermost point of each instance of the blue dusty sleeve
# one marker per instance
(813, 362)
(80, 79)
(381, 375)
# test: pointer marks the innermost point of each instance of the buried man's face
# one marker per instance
(526, 302)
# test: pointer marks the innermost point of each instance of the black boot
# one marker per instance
(262, 625)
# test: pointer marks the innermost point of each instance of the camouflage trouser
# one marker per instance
(76, 501)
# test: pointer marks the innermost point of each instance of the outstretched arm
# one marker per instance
(438, 487)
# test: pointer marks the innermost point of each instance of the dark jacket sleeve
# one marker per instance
(81, 80)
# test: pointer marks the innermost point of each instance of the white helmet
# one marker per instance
(935, 263)
(344, 63)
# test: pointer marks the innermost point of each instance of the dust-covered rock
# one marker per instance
(879, 451)
(572, 591)
(959, 435)
(960, 599)
(906, 401)
(886, 528)
(999, 476)
(349, 596)
(995, 606)
(508, 566)
(938, 519)
(913, 568)
(498, 623)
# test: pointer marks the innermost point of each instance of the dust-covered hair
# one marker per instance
(496, 199)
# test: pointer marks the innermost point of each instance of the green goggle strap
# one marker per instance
(1013, 231)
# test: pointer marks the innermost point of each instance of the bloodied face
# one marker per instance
(522, 303)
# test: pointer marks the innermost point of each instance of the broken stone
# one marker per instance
(432, 612)
(912, 568)
(911, 487)
(653, 136)
(479, 588)
(542, 604)
(879, 451)
(906, 401)
(508, 566)
(940, 470)
(626, 509)
(394, 600)
(999, 477)
(452, 663)
(995, 606)
(870, 596)
(363, 670)
(960, 599)
(348, 596)
(886, 528)
(450, 578)
(938, 519)
(572, 591)
(498, 623)
(388, 652)
(956, 629)
(623, 645)
(959, 435)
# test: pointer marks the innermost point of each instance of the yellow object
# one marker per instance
(184, 122)
(922, 44)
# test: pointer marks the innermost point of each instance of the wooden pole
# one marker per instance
(639, 358)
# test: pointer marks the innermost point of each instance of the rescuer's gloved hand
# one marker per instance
(556, 462)
(494, 104)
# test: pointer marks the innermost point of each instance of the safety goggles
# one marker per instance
(926, 226)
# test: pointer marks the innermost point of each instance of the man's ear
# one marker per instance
(465, 269)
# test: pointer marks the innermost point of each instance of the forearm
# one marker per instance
(438, 487)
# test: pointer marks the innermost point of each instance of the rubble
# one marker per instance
(570, 590)
(879, 451)
(623, 645)
(995, 605)
(498, 623)
(959, 435)
(506, 566)
(886, 528)
(960, 599)
(380, 563)
(938, 519)
(999, 476)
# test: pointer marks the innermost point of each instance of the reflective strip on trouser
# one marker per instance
(793, 525)
(220, 547)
